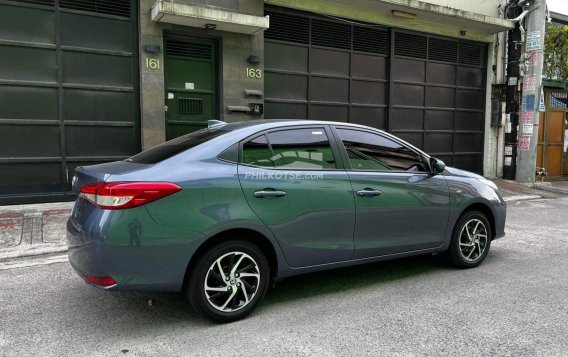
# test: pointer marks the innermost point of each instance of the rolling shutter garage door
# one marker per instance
(68, 93)
(433, 94)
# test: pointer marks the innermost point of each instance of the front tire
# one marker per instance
(228, 281)
(471, 240)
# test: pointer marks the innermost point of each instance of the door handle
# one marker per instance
(368, 192)
(269, 193)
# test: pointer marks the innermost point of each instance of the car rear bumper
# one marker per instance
(155, 258)
(85, 254)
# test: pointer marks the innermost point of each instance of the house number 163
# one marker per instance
(254, 73)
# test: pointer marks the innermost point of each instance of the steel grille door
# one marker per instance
(68, 92)
(428, 90)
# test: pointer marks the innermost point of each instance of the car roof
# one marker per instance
(274, 123)
(249, 127)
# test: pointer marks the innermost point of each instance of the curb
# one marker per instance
(33, 260)
(31, 251)
(521, 198)
(550, 189)
(38, 207)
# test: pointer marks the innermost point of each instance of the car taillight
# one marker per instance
(104, 282)
(121, 195)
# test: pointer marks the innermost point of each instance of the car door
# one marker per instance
(400, 206)
(293, 182)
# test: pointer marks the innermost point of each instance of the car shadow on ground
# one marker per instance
(171, 309)
(352, 278)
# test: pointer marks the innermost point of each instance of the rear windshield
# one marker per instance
(175, 146)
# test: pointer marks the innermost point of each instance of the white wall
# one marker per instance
(484, 7)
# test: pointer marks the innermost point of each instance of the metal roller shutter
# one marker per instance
(68, 92)
(433, 94)
(325, 70)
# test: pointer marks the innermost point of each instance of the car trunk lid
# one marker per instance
(85, 175)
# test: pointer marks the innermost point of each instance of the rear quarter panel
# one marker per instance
(129, 246)
(211, 200)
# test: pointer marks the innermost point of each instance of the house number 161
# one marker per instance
(152, 63)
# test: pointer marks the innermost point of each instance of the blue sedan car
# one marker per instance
(222, 212)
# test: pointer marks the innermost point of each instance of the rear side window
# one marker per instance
(257, 152)
(368, 151)
(175, 146)
(307, 149)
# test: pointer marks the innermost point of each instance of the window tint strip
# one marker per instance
(373, 152)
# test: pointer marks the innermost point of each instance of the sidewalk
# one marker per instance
(39, 230)
(514, 191)
(32, 230)
(559, 187)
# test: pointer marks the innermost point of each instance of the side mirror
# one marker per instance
(437, 165)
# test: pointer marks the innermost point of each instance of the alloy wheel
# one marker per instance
(473, 240)
(232, 281)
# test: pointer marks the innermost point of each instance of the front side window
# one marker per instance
(368, 151)
(307, 149)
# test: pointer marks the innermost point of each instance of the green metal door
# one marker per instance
(190, 81)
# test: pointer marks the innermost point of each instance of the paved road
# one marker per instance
(515, 304)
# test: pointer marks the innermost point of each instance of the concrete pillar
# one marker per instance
(233, 61)
(236, 49)
(152, 102)
(490, 145)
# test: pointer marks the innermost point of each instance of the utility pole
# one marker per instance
(532, 84)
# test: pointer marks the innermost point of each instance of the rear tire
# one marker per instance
(471, 240)
(228, 281)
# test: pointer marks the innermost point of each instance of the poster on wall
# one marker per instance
(532, 59)
(528, 102)
(533, 40)
(528, 129)
(529, 83)
(527, 123)
(524, 142)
